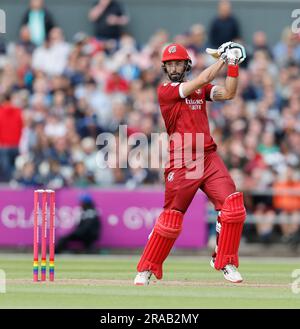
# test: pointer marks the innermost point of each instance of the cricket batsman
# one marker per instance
(183, 107)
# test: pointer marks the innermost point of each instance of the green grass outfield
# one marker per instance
(189, 282)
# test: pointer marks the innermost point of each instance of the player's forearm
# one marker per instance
(96, 12)
(228, 91)
(231, 86)
(203, 78)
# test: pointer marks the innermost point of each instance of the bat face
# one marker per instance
(213, 52)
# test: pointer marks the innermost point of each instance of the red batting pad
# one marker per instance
(165, 232)
(233, 215)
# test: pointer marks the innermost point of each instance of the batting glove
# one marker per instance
(217, 53)
(231, 57)
(239, 51)
(221, 52)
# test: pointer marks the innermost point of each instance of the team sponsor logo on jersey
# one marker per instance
(172, 49)
(194, 104)
(171, 176)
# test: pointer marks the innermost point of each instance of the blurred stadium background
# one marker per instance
(66, 77)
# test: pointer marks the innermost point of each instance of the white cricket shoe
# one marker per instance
(142, 278)
(230, 272)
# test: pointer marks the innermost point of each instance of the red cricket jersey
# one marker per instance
(185, 114)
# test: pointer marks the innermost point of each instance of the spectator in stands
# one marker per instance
(224, 27)
(115, 83)
(28, 176)
(260, 42)
(288, 49)
(129, 70)
(25, 39)
(88, 231)
(82, 177)
(60, 151)
(90, 158)
(287, 203)
(24, 71)
(98, 101)
(197, 39)
(50, 173)
(77, 67)
(39, 21)
(11, 125)
(51, 58)
(109, 19)
(268, 148)
(260, 204)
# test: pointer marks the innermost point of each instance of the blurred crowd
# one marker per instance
(57, 96)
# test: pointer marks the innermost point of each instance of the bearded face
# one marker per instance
(175, 70)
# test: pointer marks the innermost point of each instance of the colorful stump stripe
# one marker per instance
(41, 215)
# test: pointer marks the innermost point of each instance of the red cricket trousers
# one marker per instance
(215, 182)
